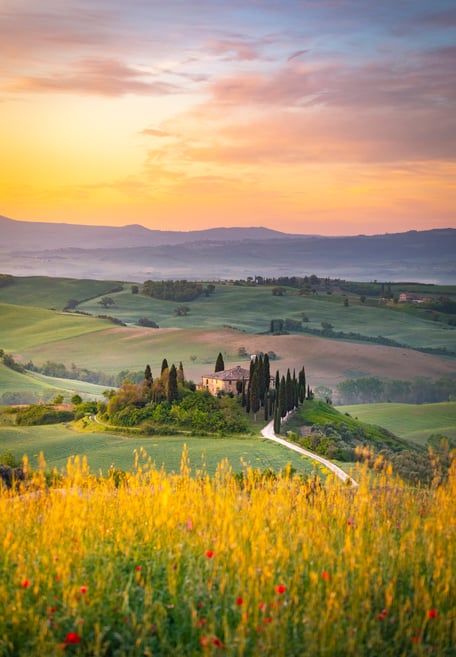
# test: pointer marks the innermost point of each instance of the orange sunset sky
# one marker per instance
(307, 116)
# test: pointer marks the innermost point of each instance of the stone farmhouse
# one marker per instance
(225, 381)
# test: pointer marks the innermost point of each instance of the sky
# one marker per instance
(306, 116)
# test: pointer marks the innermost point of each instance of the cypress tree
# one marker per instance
(289, 392)
(277, 419)
(164, 366)
(259, 366)
(302, 384)
(243, 398)
(266, 406)
(254, 392)
(180, 373)
(171, 392)
(219, 363)
(267, 372)
(283, 397)
(277, 381)
(148, 379)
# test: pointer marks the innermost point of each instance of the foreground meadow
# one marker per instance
(159, 564)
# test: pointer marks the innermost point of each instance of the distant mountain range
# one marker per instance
(136, 253)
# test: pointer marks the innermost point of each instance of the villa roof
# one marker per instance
(234, 374)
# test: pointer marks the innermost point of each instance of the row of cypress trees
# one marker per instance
(276, 400)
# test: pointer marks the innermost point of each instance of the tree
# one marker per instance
(180, 373)
(164, 366)
(58, 400)
(283, 402)
(254, 391)
(266, 372)
(181, 311)
(76, 399)
(172, 390)
(219, 364)
(134, 289)
(302, 385)
(148, 379)
(106, 302)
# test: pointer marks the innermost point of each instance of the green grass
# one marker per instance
(103, 449)
(318, 412)
(47, 292)
(414, 422)
(43, 386)
(23, 327)
(250, 309)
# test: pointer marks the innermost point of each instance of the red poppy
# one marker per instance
(209, 554)
(432, 613)
(25, 583)
(138, 569)
(326, 576)
(84, 588)
(72, 637)
(281, 588)
(239, 601)
(217, 642)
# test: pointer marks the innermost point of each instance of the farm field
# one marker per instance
(103, 450)
(414, 422)
(251, 309)
(40, 335)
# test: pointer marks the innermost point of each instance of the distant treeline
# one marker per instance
(60, 371)
(421, 390)
(182, 290)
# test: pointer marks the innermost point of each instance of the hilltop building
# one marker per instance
(225, 381)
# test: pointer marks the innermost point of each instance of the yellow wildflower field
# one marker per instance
(157, 565)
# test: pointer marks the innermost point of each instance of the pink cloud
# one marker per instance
(104, 77)
(234, 49)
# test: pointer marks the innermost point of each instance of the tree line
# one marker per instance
(421, 390)
(181, 290)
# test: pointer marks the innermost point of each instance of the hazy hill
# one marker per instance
(137, 253)
(26, 235)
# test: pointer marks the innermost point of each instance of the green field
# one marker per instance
(44, 387)
(59, 442)
(23, 327)
(250, 309)
(53, 293)
(414, 422)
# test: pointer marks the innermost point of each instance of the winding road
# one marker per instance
(268, 432)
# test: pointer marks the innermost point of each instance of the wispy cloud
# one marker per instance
(104, 77)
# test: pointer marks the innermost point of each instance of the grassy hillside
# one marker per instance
(47, 292)
(250, 309)
(23, 327)
(17, 388)
(40, 335)
(412, 422)
(317, 412)
(60, 442)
